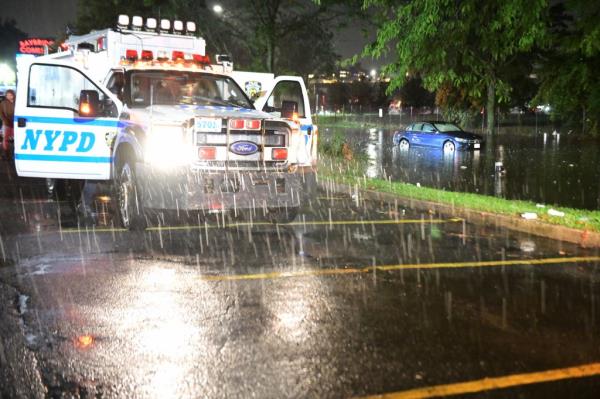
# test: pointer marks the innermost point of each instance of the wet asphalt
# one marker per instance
(353, 298)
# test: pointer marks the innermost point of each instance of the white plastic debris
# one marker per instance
(540, 205)
(418, 184)
(529, 215)
(463, 167)
(554, 212)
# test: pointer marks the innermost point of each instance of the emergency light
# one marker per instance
(123, 21)
(279, 154)
(151, 24)
(147, 55)
(177, 55)
(165, 25)
(137, 22)
(177, 26)
(244, 124)
(190, 27)
(131, 55)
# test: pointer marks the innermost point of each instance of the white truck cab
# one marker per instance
(142, 106)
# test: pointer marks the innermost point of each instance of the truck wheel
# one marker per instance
(130, 207)
(283, 215)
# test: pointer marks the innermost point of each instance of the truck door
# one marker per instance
(54, 137)
(289, 93)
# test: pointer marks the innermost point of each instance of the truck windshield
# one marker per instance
(182, 87)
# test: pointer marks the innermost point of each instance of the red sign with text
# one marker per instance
(34, 46)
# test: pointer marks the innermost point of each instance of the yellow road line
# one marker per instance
(256, 224)
(487, 384)
(387, 268)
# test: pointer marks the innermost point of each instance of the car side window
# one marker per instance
(417, 127)
(116, 84)
(428, 128)
(286, 92)
(57, 86)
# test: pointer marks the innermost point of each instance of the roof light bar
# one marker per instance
(147, 55)
(177, 26)
(177, 55)
(165, 25)
(190, 28)
(151, 24)
(131, 55)
(123, 21)
(137, 22)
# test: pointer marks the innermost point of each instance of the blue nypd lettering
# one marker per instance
(58, 140)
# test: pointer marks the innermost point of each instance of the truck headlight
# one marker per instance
(166, 146)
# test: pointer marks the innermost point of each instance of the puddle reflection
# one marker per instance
(547, 168)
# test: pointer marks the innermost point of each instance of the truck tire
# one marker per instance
(130, 208)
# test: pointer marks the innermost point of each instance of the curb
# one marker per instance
(583, 238)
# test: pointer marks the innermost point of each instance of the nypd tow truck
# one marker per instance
(143, 107)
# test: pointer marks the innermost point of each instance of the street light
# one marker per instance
(373, 73)
(218, 9)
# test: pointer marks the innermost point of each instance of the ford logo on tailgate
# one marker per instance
(243, 147)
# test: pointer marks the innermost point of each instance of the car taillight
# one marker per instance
(207, 153)
(279, 154)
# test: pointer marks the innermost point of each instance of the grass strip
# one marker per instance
(350, 174)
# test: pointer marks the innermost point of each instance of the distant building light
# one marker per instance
(34, 46)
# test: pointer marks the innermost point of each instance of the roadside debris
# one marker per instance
(554, 212)
(529, 215)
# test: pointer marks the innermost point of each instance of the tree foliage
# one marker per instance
(283, 36)
(569, 76)
(468, 45)
(9, 40)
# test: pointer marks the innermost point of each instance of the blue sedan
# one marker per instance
(444, 135)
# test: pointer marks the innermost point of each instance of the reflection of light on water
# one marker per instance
(296, 314)
(292, 316)
(527, 245)
(375, 153)
(168, 381)
(164, 336)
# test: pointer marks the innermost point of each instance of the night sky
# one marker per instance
(47, 18)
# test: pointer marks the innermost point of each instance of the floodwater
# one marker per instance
(554, 169)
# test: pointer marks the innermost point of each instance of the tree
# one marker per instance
(291, 36)
(568, 74)
(468, 45)
(9, 41)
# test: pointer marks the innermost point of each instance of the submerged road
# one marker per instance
(352, 299)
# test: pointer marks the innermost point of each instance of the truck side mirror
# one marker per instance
(89, 103)
(288, 109)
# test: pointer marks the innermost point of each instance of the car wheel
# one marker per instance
(449, 147)
(130, 207)
(404, 144)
